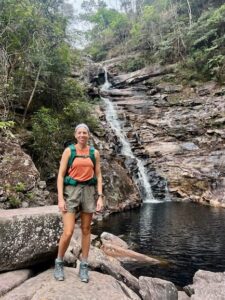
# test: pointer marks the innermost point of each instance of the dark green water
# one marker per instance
(189, 236)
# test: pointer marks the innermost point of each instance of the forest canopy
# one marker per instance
(190, 32)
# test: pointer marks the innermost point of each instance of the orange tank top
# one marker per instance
(82, 168)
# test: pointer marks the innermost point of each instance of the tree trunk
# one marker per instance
(189, 13)
(32, 94)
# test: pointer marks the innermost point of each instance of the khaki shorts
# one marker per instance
(80, 198)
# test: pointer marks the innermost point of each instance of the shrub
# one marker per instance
(132, 64)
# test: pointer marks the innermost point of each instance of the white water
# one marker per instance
(112, 119)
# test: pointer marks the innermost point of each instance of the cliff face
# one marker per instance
(178, 130)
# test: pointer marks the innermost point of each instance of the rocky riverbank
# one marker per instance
(108, 278)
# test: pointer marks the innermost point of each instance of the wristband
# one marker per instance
(100, 195)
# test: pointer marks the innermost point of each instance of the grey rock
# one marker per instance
(141, 75)
(169, 88)
(113, 239)
(189, 146)
(99, 260)
(19, 176)
(28, 236)
(183, 296)
(25, 204)
(42, 184)
(157, 289)
(10, 280)
(208, 286)
(44, 286)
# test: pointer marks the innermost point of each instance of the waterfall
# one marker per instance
(112, 119)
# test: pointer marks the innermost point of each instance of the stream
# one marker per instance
(189, 236)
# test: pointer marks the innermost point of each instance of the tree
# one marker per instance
(32, 35)
(109, 28)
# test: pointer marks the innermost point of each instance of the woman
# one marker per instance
(77, 192)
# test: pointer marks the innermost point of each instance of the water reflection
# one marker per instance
(189, 236)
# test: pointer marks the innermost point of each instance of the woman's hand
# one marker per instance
(62, 205)
(99, 206)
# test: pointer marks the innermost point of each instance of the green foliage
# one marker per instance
(132, 64)
(30, 196)
(6, 125)
(72, 90)
(50, 131)
(98, 52)
(35, 51)
(46, 134)
(20, 187)
(206, 43)
(109, 28)
(190, 32)
(14, 202)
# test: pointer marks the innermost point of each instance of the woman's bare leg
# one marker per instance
(68, 228)
(86, 219)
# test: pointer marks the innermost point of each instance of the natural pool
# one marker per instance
(188, 235)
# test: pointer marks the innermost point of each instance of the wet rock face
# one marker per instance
(177, 131)
(119, 190)
(20, 184)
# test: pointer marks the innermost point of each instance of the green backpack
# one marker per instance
(69, 180)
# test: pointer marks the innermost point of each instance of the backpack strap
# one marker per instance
(92, 154)
(72, 155)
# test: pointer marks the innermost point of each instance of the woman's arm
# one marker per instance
(98, 174)
(60, 179)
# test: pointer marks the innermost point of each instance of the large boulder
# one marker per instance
(207, 285)
(44, 286)
(20, 184)
(28, 236)
(157, 289)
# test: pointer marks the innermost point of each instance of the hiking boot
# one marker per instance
(83, 272)
(58, 271)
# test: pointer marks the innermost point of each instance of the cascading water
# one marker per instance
(112, 119)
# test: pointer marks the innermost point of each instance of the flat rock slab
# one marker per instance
(28, 236)
(44, 286)
(10, 280)
(140, 75)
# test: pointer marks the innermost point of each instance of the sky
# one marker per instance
(83, 26)
(77, 4)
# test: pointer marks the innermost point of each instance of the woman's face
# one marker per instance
(82, 135)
